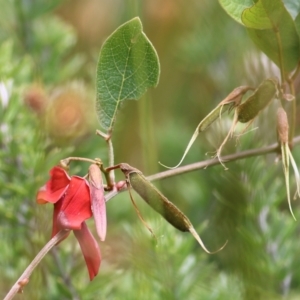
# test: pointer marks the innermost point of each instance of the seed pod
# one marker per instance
(98, 200)
(159, 202)
(232, 100)
(283, 137)
(282, 126)
(262, 96)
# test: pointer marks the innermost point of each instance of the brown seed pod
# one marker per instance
(283, 137)
(282, 126)
(159, 202)
(262, 96)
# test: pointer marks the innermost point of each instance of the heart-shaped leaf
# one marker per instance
(128, 65)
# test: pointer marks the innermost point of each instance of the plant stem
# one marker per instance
(111, 157)
(209, 163)
(292, 113)
(280, 54)
(17, 287)
(67, 161)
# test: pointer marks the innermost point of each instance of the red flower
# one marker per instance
(72, 206)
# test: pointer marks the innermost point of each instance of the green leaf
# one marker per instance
(235, 8)
(273, 30)
(128, 65)
(265, 14)
(297, 24)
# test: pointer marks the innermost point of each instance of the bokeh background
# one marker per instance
(48, 59)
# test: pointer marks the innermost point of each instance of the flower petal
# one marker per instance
(98, 200)
(56, 210)
(55, 225)
(55, 187)
(90, 250)
(76, 205)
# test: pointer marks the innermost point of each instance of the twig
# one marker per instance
(107, 138)
(209, 163)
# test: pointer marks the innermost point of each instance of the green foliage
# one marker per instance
(271, 28)
(128, 65)
(235, 8)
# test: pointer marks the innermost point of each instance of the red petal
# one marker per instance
(90, 250)
(55, 187)
(98, 200)
(56, 210)
(76, 205)
(55, 225)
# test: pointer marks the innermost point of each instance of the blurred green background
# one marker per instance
(48, 57)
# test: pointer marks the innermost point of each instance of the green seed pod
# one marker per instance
(155, 198)
(262, 96)
(159, 202)
(231, 101)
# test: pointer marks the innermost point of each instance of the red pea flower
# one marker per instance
(71, 197)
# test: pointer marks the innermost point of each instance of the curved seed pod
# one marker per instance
(231, 101)
(159, 202)
(98, 200)
(262, 96)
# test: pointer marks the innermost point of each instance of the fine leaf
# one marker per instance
(128, 65)
(234, 8)
(273, 30)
